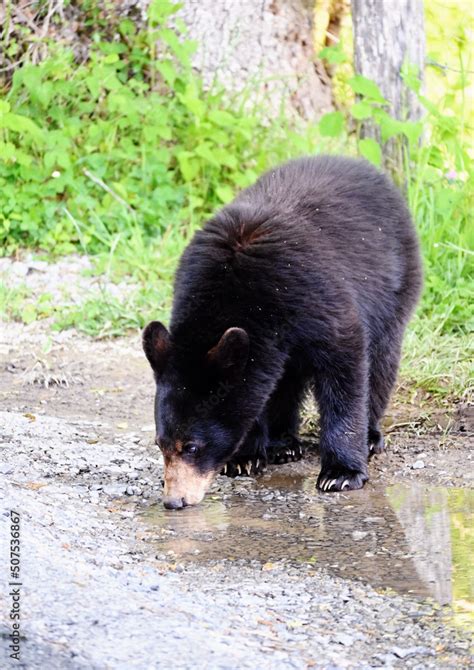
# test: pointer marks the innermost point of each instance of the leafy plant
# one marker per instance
(126, 140)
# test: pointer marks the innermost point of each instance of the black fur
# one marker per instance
(316, 269)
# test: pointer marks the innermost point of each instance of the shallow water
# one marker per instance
(409, 538)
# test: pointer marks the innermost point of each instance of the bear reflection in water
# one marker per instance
(408, 537)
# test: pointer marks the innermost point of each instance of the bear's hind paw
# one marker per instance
(376, 442)
(285, 452)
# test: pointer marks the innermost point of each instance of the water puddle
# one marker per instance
(410, 538)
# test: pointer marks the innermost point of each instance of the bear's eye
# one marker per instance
(191, 448)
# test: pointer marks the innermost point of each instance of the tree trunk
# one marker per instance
(387, 35)
(336, 11)
(265, 45)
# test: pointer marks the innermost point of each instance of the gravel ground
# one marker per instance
(68, 281)
(102, 590)
(267, 573)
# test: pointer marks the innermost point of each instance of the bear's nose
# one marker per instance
(173, 503)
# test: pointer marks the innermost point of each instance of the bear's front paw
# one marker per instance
(246, 468)
(285, 451)
(340, 479)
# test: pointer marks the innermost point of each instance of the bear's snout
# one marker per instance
(174, 503)
(184, 483)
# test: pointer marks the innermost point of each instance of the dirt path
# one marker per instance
(267, 573)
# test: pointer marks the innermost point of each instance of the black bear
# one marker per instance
(307, 279)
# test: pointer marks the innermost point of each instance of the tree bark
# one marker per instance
(266, 46)
(388, 34)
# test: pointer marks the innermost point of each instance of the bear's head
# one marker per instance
(199, 408)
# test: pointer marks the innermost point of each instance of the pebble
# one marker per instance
(411, 651)
(133, 491)
(114, 489)
(418, 465)
(359, 534)
(6, 469)
(114, 470)
(344, 639)
(267, 497)
(386, 659)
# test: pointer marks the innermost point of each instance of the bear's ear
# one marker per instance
(230, 354)
(156, 345)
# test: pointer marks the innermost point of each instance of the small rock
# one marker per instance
(133, 491)
(418, 465)
(359, 534)
(113, 470)
(411, 651)
(344, 639)
(117, 565)
(38, 266)
(5, 469)
(114, 489)
(386, 659)
(267, 497)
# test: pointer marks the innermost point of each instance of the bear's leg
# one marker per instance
(341, 392)
(384, 361)
(251, 458)
(283, 416)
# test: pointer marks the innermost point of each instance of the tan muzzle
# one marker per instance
(184, 484)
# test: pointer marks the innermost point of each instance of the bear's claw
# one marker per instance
(249, 468)
(347, 481)
(280, 453)
(376, 442)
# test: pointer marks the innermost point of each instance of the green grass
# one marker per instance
(13, 302)
(440, 364)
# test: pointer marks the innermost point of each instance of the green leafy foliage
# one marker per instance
(334, 54)
(366, 88)
(127, 138)
(371, 150)
(332, 124)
